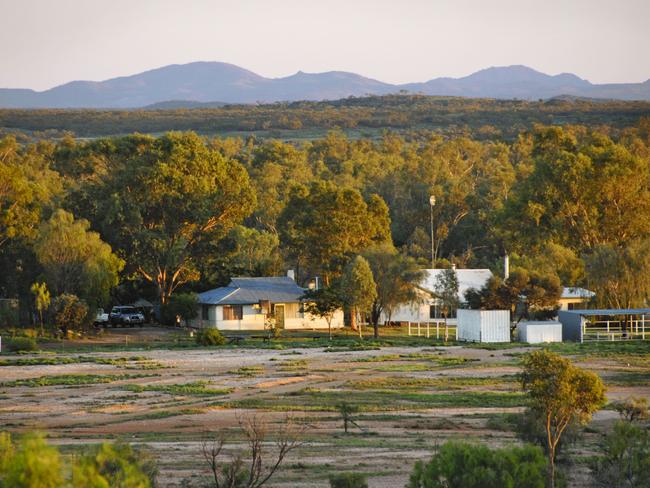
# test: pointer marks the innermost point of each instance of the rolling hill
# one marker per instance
(214, 83)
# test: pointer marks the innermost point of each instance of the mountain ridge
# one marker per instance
(215, 82)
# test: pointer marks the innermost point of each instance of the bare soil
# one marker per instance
(395, 427)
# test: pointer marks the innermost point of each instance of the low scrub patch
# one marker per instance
(19, 344)
(197, 388)
(443, 383)
(210, 337)
(248, 371)
(71, 379)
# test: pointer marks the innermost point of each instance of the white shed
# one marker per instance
(483, 325)
(538, 332)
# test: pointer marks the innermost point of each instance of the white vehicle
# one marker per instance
(101, 318)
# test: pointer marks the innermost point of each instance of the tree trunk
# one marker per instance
(551, 452)
(353, 319)
(360, 325)
(551, 467)
(375, 314)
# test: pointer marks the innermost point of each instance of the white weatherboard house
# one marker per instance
(427, 308)
(574, 298)
(245, 302)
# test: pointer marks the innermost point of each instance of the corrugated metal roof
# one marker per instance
(214, 296)
(609, 311)
(245, 291)
(576, 292)
(467, 278)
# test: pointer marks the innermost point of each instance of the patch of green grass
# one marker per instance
(132, 362)
(602, 349)
(445, 383)
(496, 346)
(248, 371)
(197, 388)
(292, 365)
(71, 379)
(504, 422)
(628, 378)
(310, 399)
(420, 357)
(163, 414)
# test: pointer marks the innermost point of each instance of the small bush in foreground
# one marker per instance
(210, 337)
(626, 459)
(19, 344)
(115, 465)
(348, 480)
(30, 463)
(461, 465)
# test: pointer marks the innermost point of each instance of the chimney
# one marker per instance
(506, 267)
(291, 274)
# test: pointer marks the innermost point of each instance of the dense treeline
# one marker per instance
(367, 116)
(157, 216)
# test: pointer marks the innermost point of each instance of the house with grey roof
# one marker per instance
(246, 303)
(574, 298)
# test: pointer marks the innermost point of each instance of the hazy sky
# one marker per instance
(44, 43)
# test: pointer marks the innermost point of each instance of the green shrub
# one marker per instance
(461, 465)
(30, 463)
(183, 305)
(117, 465)
(9, 316)
(210, 337)
(348, 480)
(626, 457)
(70, 312)
(19, 344)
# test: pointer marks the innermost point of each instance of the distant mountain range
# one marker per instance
(210, 84)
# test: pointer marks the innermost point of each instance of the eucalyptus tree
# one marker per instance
(396, 277)
(165, 203)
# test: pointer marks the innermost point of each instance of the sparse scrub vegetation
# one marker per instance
(210, 337)
(197, 388)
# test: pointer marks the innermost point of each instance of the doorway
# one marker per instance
(279, 316)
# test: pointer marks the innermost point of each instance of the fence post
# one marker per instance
(409, 329)
(437, 330)
(643, 327)
(427, 330)
(419, 329)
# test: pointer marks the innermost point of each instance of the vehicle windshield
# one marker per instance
(125, 310)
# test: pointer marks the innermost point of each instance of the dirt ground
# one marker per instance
(410, 400)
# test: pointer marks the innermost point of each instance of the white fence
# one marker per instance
(432, 330)
(616, 330)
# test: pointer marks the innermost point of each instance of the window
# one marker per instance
(433, 312)
(292, 311)
(232, 312)
(205, 312)
(437, 312)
